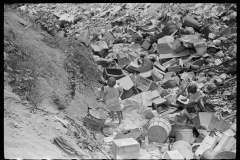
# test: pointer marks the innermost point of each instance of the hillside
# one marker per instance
(47, 63)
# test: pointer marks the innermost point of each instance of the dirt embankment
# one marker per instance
(38, 69)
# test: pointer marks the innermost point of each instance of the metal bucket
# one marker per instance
(185, 135)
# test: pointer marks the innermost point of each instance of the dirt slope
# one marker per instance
(29, 133)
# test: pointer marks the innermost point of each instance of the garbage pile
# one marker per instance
(177, 66)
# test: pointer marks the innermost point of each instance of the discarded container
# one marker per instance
(184, 148)
(162, 108)
(169, 29)
(93, 123)
(208, 143)
(158, 130)
(191, 22)
(126, 148)
(113, 72)
(122, 59)
(185, 135)
(226, 143)
(210, 154)
(159, 101)
(143, 83)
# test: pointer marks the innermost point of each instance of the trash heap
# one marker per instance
(155, 51)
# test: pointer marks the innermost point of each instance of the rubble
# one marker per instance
(157, 56)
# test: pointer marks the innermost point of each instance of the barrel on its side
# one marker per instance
(158, 130)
